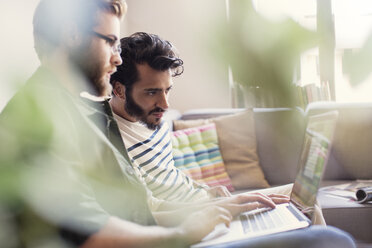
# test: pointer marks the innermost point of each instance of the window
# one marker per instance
(344, 26)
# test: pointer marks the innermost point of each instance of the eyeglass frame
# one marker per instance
(115, 49)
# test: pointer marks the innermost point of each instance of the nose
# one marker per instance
(163, 101)
(116, 59)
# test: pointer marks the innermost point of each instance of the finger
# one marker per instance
(250, 206)
(278, 195)
(221, 210)
(263, 195)
(267, 202)
(279, 200)
(236, 209)
(224, 192)
(256, 198)
(245, 197)
(255, 205)
(221, 191)
(223, 219)
(222, 215)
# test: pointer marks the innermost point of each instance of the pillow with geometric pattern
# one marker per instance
(238, 146)
(197, 154)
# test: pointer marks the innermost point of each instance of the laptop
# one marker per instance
(298, 212)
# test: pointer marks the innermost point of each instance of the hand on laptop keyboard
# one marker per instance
(246, 202)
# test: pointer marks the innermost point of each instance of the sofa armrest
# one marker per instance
(350, 157)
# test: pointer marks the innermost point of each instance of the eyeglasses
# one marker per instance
(115, 46)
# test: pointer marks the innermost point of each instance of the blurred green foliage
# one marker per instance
(358, 65)
(262, 54)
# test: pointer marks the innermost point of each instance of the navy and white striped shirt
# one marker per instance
(150, 152)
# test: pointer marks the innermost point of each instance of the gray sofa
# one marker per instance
(279, 134)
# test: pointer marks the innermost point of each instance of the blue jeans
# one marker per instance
(312, 237)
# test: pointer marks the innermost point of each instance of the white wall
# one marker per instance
(17, 57)
(186, 24)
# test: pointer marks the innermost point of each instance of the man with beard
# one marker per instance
(141, 88)
(64, 178)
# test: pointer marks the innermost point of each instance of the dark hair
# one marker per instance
(141, 48)
(52, 16)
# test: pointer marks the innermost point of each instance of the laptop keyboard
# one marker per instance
(266, 219)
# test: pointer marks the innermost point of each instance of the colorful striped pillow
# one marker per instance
(197, 154)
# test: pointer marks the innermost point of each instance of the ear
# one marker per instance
(71, 36)
(119, 90)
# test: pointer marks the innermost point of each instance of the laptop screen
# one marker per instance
(314, 155)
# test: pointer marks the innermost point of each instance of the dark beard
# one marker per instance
(134, 110)
(93, 76)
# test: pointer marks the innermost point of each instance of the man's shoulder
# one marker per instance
(38, 108)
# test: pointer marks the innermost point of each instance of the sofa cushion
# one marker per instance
(280, 134)
(237, 139)
(197, 154)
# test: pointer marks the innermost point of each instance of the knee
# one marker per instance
(331, 237)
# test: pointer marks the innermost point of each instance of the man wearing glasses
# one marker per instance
(66, 179)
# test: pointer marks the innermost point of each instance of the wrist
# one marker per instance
(180, 237)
